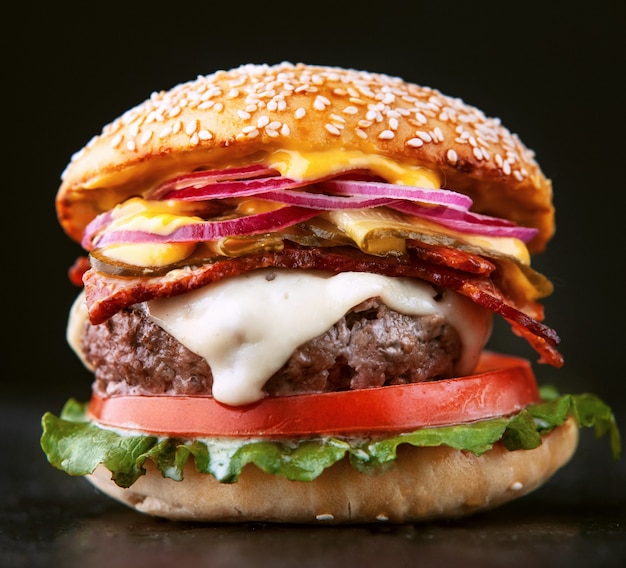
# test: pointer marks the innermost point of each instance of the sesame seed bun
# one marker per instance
(421, 484)
(230, 116)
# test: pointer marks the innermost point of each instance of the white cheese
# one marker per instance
(248, 326)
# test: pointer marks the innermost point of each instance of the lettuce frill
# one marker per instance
(77, 446)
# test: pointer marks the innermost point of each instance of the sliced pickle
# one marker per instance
(248, 244)
(106, 265)
(375, 231)
(317, 232)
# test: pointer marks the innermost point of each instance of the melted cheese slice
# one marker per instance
(314, 165)
(248, 326)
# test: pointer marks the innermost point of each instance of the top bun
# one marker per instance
(229, 116)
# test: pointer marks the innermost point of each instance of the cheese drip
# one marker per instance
(248, 326)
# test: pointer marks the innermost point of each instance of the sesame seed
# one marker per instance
(325, 517)
(244, 115)
(117, 140)
(300, 112)
(145, 137)
(165, 132)
(130, 145)
(452, 157)
(320, 102)
(351, 110)
(191, 127)
(284, 130)
(387, 135)
(424, 135)
(360, 133)
(357, 101)
(205, 135)
(415, 142)
(274, 125)
(478, 153)
(332, 129)
(263, 121)
(516, 485)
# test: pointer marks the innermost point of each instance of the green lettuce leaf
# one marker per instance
(77, 446)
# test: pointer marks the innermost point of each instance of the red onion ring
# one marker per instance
(233, 188)
(394, 191)
(323, 201)
(467, 221)
(205, 177)
(211, 230)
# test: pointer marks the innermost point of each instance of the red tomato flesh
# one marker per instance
(501, 385)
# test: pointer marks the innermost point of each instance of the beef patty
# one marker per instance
(370, 346)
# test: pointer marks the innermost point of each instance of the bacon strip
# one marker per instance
(106, 295)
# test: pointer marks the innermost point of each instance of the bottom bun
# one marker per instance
(421, 484)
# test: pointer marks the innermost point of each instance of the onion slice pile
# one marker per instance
(299, 201)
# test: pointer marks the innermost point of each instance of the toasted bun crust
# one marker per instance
(228, 116)
(422, 484)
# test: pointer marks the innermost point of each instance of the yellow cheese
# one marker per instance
(315, 165)
(156, 217)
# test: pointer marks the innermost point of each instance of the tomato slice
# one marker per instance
(501, 385)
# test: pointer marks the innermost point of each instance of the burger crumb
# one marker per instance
(382, 517)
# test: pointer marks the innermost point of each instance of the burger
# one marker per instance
(288, 289)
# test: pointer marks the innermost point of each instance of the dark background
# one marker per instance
(552, 71)
(551, 74)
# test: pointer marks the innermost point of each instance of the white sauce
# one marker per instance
(248, 326)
